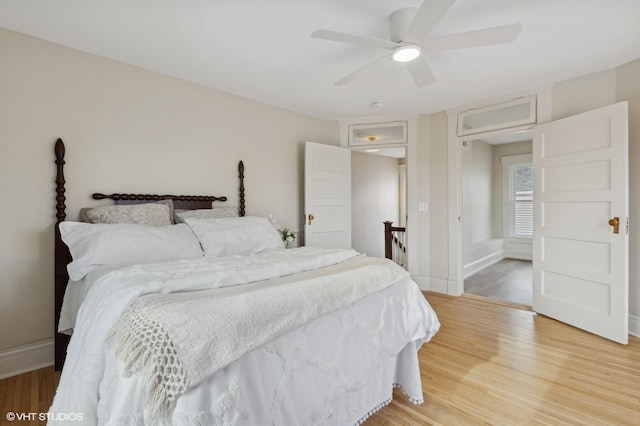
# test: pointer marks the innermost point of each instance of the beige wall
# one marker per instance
(375, 198)
(582, 94)
(433, 140)
(477, 179)
(126, 130)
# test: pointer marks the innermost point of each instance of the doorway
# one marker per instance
(497, 217)
(378, 188)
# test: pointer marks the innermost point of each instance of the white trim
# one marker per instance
(519, 254)
(482, 263)
(26, 358)
(634, 325)
(439, 285)
(423, 282)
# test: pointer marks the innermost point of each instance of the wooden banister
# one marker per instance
(390, 240)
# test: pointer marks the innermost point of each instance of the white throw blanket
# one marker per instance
(178, 340)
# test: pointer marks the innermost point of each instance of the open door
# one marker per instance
(327, 196)
(580, 246)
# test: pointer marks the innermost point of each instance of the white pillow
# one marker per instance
(235, 236)
(92, 245)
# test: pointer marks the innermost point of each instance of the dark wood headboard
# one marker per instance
(62, 254)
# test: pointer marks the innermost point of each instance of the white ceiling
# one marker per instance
(262, 49)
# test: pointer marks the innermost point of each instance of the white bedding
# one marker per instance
(334, 370)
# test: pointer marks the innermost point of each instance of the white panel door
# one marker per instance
(580, 262)
(327, 196)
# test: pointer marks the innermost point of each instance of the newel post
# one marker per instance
(388, 238)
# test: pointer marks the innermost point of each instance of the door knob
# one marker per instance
(311, 217)
(615, 222)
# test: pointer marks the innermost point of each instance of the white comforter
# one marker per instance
(105, 396)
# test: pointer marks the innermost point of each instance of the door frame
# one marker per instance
(455, 279)
(411, 161)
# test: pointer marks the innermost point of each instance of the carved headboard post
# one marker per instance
(241, 176)
(62, 255)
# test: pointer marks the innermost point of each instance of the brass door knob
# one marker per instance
(311, 217)
(615, 222)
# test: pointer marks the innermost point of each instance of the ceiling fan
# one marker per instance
(409, 28)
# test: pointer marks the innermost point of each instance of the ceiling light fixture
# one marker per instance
(406, 53)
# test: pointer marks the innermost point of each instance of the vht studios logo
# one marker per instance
(24, 417)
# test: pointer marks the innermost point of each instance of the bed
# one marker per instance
(213, 321)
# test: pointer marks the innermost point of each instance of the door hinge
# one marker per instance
(626, 226)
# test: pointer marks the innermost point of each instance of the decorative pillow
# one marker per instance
(92, 245)
(141, 214)
(212, 213)
(235, 236)
(84, 212)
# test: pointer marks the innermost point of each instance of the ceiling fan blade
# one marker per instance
(369, 67)
(477, 38)
(353, 39)
(427, 16)
(420, 72)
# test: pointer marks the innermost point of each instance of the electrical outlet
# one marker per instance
(423, 207)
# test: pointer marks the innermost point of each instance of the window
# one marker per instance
(522, 200)
(517, 112)
(517, 171)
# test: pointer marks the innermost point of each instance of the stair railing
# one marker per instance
(395, 247)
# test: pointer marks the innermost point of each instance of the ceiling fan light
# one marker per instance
(406, 53)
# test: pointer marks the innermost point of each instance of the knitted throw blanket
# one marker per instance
(177, 340)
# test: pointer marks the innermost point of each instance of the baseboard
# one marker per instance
(634, 325)
(422, 281)
(516, 254)
(439, 285)
(26, 358)
(480, 264)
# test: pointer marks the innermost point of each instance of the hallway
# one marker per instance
(509, 280)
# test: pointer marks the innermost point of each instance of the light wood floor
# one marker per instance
(510, 280)
(491, 364)
(27, 393)
(488, 364)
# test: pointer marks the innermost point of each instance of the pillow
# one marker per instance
(235, 236)
(142, 214)
(93, 245)
(129, 213)
(212, 213)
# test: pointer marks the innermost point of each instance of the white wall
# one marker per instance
(375, 198)
(126, 130)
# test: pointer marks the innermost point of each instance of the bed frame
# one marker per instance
(62, 254)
